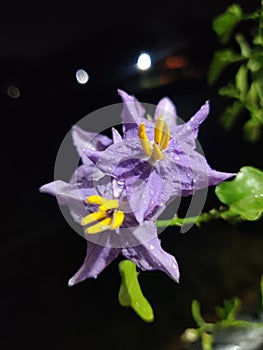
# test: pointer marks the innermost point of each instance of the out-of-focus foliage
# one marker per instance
(227, 319)
(245, 54)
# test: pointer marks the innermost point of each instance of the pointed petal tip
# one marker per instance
(47, 188)
(74, 280)
(71, 283)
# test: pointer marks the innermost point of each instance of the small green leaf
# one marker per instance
(229, 91)
(130, 293)
(252, 130)
(224, 24)
(244, 194)
(231, 113)
(207, 341)
(252, 95)
(229, 310)
(242, 81)
(220, 61)
(196, 313)
(244, 46)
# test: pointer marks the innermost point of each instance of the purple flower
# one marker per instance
(157, 158)
(99, 203)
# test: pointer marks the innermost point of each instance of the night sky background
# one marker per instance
(41, 47)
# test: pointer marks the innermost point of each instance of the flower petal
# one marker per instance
(132, 114)
(166, 108)
(187, 133)
(71, 195)
(91, 140)
(109, 160)
(97, 258)
(151, 256)
(116, 137)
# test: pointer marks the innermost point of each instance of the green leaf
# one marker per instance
(252, 95)
(244, 46)
(224, 24)
(207, 341)
(196, 313)
(252, 130)
(231, 113)
(244, 194)
(229, 91)
(130, 293)
(220, 61)
(229, 310)
(242, 81)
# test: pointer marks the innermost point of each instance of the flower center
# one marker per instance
(161, 138)
(108, 217)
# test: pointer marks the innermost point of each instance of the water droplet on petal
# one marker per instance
(109, 168)
(151, 246)
(174, 266)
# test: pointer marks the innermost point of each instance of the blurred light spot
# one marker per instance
(82, 76)
(176, 62)
(144, 61)
(13, 92)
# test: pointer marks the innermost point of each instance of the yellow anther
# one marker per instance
(158, 130)
(109, 204)
(142, 132)
(144, 140)
(100, 226)
(117, 219)
(93, 217)
(157, 153)
(96, 200)
(165, 136)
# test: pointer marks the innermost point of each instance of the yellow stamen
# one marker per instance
(157, 153)
(109, 204)
(100, 226)
(96, 200)
(117, 219)
(165, 136)
(158, 130)
(93, 217)
(144, 140)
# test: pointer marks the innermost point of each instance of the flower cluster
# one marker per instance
(126, 182)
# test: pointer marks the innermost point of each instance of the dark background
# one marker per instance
(41, 47)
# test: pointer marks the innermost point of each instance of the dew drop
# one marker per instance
(151, 246)
(110, 168)
(174, 266)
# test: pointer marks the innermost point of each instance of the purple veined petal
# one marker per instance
(85, 175)
(132, 114)
(70, 195)
(146, 194)
(166, 108)
(109, 160)
(116, 137)
(188, 132)
(97, 258)
(151, 256)
(91, 140)
(216, 177)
